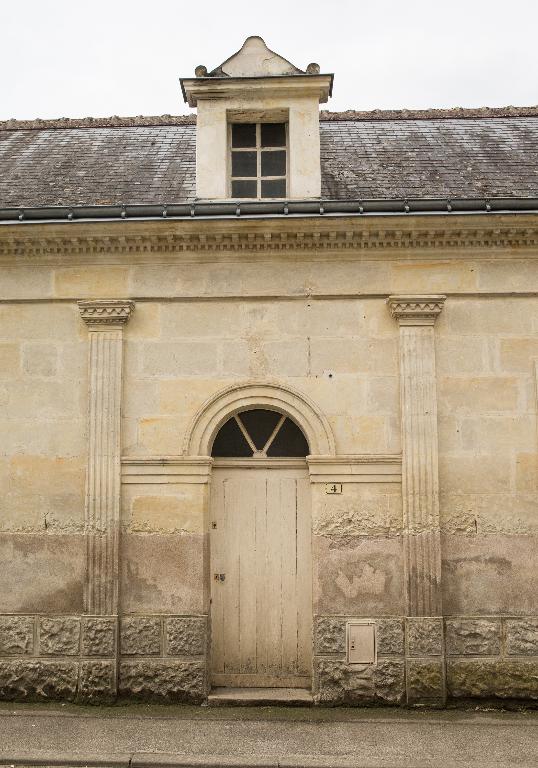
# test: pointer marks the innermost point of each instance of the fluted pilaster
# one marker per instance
(105, 320)
(416, 316)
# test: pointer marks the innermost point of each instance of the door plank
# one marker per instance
(247, 568)
(288, 526)
(304, 577)
(230, 586)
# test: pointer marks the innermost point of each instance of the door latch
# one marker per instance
(219, 576)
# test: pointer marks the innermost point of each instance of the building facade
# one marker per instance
(268, 388)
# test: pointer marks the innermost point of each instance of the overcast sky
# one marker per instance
(78, 58)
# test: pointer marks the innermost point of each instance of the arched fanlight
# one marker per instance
(259, 433)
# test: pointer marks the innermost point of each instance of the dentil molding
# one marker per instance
(306, 236)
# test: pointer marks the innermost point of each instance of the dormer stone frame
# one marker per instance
(292, 97)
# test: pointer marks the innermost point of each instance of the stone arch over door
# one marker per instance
(220, 407)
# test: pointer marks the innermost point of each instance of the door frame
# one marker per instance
(217, 409)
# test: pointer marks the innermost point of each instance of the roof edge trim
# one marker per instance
(264, 209)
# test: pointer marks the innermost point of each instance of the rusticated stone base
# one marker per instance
(420, 660)
(75, 658)
(35, 679)
(164, 681)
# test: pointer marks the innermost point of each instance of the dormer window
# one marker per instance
(259, 160)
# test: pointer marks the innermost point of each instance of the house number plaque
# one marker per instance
(333, 488)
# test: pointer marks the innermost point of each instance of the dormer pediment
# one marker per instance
(254, 59)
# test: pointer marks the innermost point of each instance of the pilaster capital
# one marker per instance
(106, 314)
(416, 310)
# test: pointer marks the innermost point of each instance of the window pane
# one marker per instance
(273, 134)
(273, 163)
(244, 189)
(243, 135)
(230, 441)
(289, 441)
(259, 425)
(244, 164)
(274, 188)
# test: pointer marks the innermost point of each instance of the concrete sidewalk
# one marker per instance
(137, 735)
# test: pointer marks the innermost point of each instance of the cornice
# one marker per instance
(416, 310)
(301, 235)
(106, 314)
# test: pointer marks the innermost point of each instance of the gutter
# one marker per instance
(259, 209)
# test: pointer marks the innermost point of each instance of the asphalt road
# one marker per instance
(187, 736)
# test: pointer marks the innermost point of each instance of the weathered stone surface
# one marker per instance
(140, 636)
(390, 636)
(186, 636)
(340, 683)
(59, 636)
(389, 681)
(97, 682)
(357, 576)
(522, 637)
(330, 634)
(163, 573)
(473, 637)
(424, 636)
(58, 559)
(488, 575)
(493, 679)
(98, 636)
(36, 679)
(425, 683)
(163, 680)
(16, 635)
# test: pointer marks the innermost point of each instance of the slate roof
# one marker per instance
(363, 156)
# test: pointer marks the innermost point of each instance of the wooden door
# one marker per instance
(261, 577)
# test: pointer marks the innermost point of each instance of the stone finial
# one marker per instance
(416, 310)
(200, 71)
(103, 314)
(313, 69)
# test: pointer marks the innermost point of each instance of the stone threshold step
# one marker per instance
(256, 697)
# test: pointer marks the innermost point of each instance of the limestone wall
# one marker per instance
(317, 322)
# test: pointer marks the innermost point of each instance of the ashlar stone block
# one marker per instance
(16, 635)
(473, 637)
(390, 636)
(186, 636)
(140, 636)
(522, 637)
(493, 678)
(330, 634)
(98, 636)
(425, 682)
(340, 683)
(59, 636)
(425, 636)
(163, 681)
(37, 679)
(97, 682)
